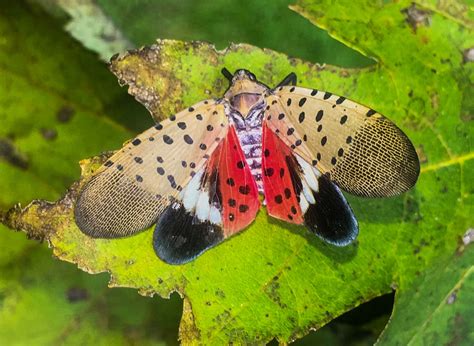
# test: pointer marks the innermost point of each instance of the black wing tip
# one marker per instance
(347, 238)
(337, 236)
(179, 237)
(331, 218)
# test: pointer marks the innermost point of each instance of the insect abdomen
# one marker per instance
(251, 142)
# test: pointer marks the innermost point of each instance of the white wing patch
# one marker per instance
(190, 194)
(309, 181)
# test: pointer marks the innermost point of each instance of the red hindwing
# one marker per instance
(237, 188)
(278, 172)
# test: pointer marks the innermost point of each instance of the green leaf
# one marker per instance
(44, 302)
(105, 26)
(88, 24)
(222, 22)
(437, 307)
(276, 280)
(52, 93)
(48, 102)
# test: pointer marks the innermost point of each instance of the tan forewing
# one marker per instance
(131, 190)
(363, 152)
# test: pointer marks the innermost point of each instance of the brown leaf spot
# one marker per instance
(65, 114)
(10, 153)
(76, 294)
(49, 134)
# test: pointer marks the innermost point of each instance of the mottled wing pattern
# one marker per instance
(130, 191)
(297, 192)
(362, 151)
(220, 200)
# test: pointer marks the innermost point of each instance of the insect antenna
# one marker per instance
(227, 74)
(288, 80)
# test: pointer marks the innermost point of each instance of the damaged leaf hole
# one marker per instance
(468, 237)
(451, 298)
(416, 17)
(468, 55)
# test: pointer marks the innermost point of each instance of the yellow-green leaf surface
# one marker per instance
(52, 93)
(277, 280)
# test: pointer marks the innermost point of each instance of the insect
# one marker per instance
(200, 174)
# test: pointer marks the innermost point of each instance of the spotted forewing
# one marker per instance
(140, 181)
(363, 152)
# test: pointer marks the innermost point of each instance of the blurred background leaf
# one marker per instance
(263, 24)
(87, 23)
(52, 93)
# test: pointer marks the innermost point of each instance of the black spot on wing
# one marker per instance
(301, 117)
(370, 112)
(319, 115)
(331, 218)
(180, 237)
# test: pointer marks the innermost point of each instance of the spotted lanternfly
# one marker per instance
(198, 175)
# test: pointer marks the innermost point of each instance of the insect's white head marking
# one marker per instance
(245, 91)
